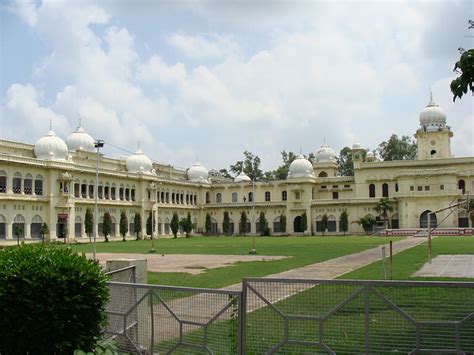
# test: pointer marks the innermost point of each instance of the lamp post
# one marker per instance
(254, 250)
(97, 144)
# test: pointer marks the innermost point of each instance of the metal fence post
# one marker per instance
(242, 316)
(367, 319)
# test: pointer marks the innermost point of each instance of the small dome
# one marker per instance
(325, 154)
(198, 173)
(139, 163)
(51, 147)
(356, 146)
(242, 177)
(370, 156)
(432, 117)
(301, 168)
(80, 140)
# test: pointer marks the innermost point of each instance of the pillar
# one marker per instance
(9, 230)
(27, 230)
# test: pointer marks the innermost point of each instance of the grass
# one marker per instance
(301, 250)
(411, 260)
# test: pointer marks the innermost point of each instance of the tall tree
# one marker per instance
(324, 223)
(304, 222)
(367, 223)
(283, 223)
(282, 171)
(383, 207)
(149, 225)
(243, 223)
(137, 224)
(89, 223)
(174, 225)
(107, 225)
(346, 165)
(465, 68)
(226, 223)
(225, 173)
(344, 222)
(186, 225)
(123, 225)
(207, 225)
(44, 231)
(262, 224)
(397, 148)
(250, 166)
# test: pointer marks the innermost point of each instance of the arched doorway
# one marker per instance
(297, 225)
(424, 220)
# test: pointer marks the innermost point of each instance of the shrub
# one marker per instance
(52, 300)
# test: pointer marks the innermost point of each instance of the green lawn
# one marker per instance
(302, 251)
(411, 260)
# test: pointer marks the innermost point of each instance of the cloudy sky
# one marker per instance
(210, 79)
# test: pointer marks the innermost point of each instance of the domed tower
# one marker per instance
(433, 137)
(300, 168)
(198, 173)
(139, 163)
(51, 147)
(242, 177)
(325, 162)
(79, 139)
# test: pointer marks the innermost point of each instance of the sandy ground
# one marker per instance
(190, 263)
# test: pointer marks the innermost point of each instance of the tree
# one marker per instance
(44, 231)
(344, 222)
(283, 223)
(346, 165)
(89, 223)
(304, 222)
(226, 223)
(18, 230)
(123, 225)
(367, 223)
(397, 148)
(465, 67)
(324, 223)
(186, 225)
(149, 225)
(282, 171)
(107, 225)
(137, 222)
(174, 225)
(382, 208)
(250, 166)
(243, 223)
(225, 173)
(208, 223)
(263, 224)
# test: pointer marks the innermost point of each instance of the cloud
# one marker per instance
(25, 9)
(204, 46)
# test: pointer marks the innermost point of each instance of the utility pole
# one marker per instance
(97, 144)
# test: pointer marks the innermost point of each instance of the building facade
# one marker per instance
(53, 182)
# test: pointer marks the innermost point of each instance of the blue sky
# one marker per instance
(210, 79)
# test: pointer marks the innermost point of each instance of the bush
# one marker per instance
(52, 300)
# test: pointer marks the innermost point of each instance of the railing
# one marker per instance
(372, 317)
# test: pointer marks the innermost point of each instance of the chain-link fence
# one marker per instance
(149, 319)
(373, 317)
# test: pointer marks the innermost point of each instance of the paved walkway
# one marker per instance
(449, 266)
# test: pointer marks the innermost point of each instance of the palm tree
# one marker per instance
(382, 208)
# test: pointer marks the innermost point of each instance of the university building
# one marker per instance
(53, 182)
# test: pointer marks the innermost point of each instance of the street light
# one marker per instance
(97, 144)
(253, 251)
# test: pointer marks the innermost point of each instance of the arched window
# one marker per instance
(284, 195)
(3, 181)
(100, 190)
(208, 197)
(218, 197)
(3, 227)
(77, 188)
(28, 185)
(113, 190)
(396, 187)
(384, 190)
(371, 190)
(235, 197)
(323, 174)
(91, 189)
(17, 183)
(132, 193)
(173, 197)
(267, 196)
(84, 189)
(462, 186)
(19, 226)
(127, 193)
(36, 224)
(106, 191)
(121, 193)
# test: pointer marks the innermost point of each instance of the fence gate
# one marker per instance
(373, 317)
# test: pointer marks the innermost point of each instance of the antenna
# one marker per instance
(79, 118)
(50, 124)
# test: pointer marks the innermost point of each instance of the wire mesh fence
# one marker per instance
(149, 319)
(352, 317)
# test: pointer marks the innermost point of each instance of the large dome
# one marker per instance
(432, 118)
(51, 147)
(80, 140)
(242, 177)
(198, 173)
(139, 163)
(325, 154)
(301, 168)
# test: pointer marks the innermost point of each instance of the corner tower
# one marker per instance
(434, 136)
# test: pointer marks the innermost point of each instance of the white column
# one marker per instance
(9, 230)
(27, 230)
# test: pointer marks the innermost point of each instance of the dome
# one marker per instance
(51, 147)
(370, 156)
(301, 168)
(325, 154)
(432, 117)
(80, 140)
(198, 173)
(356, 146)
(139, 163)
(242, 177)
